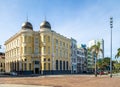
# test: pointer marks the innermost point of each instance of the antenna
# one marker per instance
(44, 17)
(27, 17)
(0, 46)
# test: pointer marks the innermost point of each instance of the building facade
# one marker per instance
(73, 55)
(38, 52)
(2, 62)
(90, 62)
(81, 60)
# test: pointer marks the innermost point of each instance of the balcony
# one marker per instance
(36, 55)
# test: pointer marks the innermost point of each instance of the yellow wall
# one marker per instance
(55, 46)
(21, 49)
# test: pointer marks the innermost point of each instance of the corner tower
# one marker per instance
(45, 24)
(27, 25)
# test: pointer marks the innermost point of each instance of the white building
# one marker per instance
(81, 60)
(90, 62)
(73, 55)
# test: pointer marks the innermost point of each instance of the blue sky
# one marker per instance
(83, 20)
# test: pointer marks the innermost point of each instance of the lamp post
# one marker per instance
(111, 26)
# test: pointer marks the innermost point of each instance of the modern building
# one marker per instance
(73, 55)
(81, 60)
(2, 62)
(39, 52)
(83, 47)
(90, 62)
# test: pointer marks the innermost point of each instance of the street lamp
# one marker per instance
(111, 26)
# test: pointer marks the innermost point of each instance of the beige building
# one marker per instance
(38, 52)
(2, 62)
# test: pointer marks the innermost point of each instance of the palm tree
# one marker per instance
(100, 64)
(106, 62)
(118, 53)
(96, 50)
(116, 65)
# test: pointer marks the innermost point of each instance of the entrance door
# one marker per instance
(36, 70)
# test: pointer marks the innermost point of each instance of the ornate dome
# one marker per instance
(27, 25)
(45, 24)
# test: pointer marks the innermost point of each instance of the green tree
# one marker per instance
(103, 64)
(117, 67)
(100, 64)
(106, 63)
(116, 64)
(96, 50)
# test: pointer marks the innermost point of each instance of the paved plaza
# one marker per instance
(61, 81)
(18, 85)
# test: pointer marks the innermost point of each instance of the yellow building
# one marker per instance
(38, 52)
(2, 62)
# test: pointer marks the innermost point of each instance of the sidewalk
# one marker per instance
(18, 85)
(116, 75)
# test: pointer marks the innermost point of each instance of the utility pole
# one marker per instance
(111, 26)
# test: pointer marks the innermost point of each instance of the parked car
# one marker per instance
(13, 73)
(103, 72)
(106, 72)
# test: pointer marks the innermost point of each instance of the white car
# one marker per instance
(13, 73)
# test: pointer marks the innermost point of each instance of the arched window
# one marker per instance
(63, 65)
(56, 64)
(67, 65)
(60, 65)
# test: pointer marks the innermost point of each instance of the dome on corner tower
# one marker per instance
(27, 25)
(45, 24)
